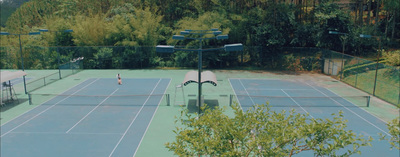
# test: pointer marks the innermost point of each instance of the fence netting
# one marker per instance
(374, 78)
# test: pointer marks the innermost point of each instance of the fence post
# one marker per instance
(329, 63)
(59, 66)
(342, 67)
(398, 71)
(241, 61)
(230, 99)
(376, 78)
(70, 67)
(355, 82)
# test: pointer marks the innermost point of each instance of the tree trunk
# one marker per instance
(369, 12)
(377, 15)
(356, 13)
(387, 24)
(306, 11)
(394, 23)
(360, 16)
(299, 4)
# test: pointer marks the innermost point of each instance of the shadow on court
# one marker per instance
(193, 108)
(12, 103)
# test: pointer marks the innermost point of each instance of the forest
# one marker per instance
(123, 33)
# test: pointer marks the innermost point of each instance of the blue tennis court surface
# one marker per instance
(319, 102)
(55, 130)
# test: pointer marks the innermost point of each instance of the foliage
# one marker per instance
(204, 22)
(31, 14)
(302, 37)
(7, 8)
(270, 25)
(330, 18)
(261, 131)
(103, 58)
(90, 31)
(394, 131)
(267, 36)
(391, 57)
(57, 36)
(292, 63)
(392, 7)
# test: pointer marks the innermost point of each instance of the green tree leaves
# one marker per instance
(394, 131)
(263, 132)
(270, 25)
(392, 57)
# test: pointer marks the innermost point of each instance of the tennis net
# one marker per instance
(99, 100)
(282, 101)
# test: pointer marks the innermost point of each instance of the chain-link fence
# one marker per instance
(377, 79)
(374, 78)
(65, 70)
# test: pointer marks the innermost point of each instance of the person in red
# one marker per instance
(119, 79)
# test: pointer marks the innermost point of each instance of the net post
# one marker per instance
(230, 99)
(30, 99)
(167, 97)
(368, 100)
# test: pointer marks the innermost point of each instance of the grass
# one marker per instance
(387, 87)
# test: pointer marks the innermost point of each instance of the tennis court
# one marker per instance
(319, 102)
(97, 117)
(19, 80)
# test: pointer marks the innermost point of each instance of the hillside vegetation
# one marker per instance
(268, 24)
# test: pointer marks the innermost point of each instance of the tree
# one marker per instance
(391, 57)
(394, 131)
(392, 8)
(330, 18)
(7, 8)
(269, 37)
(260, 131)
(103, 58)
(31, 14)
(205, 21)
(90, 31)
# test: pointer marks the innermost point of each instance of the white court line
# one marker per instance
(277, 89)
(91, 111)
(112, 152)
(359, 107)
(47, 109)
(63, 133)
(40, 105)
(297, 103)
(352, 111)
(247, 92)
(258, 79)
(237, 99)
(137, 148)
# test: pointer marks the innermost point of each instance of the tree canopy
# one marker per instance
(261, 131)
(268, 24)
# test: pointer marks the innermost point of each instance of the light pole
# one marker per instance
(200, 50)
(343, 39)
(20, 49)
(58, 51)
(377, 57)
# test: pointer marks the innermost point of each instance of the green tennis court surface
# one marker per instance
(99, 133)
